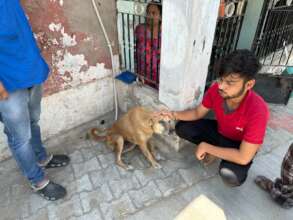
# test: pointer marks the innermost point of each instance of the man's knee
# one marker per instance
(230, 178)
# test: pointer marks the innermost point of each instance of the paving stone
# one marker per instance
(171, 184)
(171, 166)
(107, 160)
(83, 168)
(88, 153)
(91, 200)
(94, 215)
(5, 196)
(100, 177)
(121, 186)
(66, 209)
(101, 148)
(78, 186)
(117, 209)
(41, 214)
(37, 202)
(75, 144)
(146, 195)
(147, 175)
(76, 157)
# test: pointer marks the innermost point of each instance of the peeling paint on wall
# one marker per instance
(75, 56)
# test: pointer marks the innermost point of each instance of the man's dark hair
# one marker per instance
(243, 62)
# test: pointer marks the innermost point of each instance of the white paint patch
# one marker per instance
(71, 64)
(70, 68)
(60, 2)
(87, 39)
(55, 27)
(67, 40)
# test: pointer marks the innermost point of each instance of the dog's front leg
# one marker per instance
(119, 149)
(149, 156)
(156, 154)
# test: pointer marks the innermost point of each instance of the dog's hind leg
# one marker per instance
(119, 142)
(149, 156)
(129, 148)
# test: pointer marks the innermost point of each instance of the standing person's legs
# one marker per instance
(35, 97)
(15, 116)
(16, 119)
(45, 160)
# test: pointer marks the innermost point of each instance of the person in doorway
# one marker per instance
(148, 45)
(241, 118)
(22, 72)
(281, 190)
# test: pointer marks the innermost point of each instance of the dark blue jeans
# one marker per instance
(20, 114)
(206, 130)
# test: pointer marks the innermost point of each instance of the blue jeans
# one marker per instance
(20, 114)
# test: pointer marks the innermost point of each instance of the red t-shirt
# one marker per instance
(248, 122)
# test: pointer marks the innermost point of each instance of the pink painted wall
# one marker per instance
(71, 40)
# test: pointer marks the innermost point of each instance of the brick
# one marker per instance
(192, 175)
(65, 209)
(41, 214)
(76, 157)
(171, 184)
(107, 160)
(88, 153)
(121, 186)
(94, 215)
(145, 196)
(37, 202)
(78, 186)
(100, 177)
(91, 200)
(147, 175)
(83, 168)
(117, 209)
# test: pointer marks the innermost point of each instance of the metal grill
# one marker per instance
(139, 47)
(274, 37)
(227, 34)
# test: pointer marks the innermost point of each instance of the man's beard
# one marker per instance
(240, 93)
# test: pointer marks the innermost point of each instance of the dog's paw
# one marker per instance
(159, 156)
(129, 168)
(157, 166)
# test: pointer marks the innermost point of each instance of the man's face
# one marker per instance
(233, 86)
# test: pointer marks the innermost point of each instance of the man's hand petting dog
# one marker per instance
(165, 114)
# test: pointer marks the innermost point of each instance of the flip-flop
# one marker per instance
(50, 191)
(56, 161)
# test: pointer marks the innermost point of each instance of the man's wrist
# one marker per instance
(174, 115)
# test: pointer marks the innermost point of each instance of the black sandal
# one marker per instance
(50, 191)
(56, 161)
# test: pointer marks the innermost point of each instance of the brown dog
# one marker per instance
(136, 126)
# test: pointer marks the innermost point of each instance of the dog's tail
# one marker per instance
(94, 134)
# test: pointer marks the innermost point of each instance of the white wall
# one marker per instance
(187, 36)
(70, 108)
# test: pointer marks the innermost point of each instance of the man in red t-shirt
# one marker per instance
(241, 118)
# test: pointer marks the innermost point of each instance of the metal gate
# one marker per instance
(145, 64)
(274, 37)
(227, 33)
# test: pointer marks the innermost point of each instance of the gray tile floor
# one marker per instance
(98, 189)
